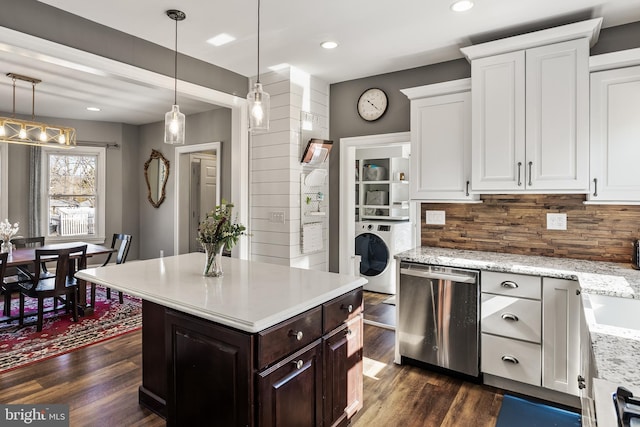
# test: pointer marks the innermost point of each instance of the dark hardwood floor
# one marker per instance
(100, 385)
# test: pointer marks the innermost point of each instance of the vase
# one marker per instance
(6, 247)
(213, 259)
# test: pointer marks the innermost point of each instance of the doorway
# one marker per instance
(198, 166)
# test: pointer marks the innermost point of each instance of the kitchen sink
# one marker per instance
(614, 311)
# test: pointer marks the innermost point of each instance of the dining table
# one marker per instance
(27, 256)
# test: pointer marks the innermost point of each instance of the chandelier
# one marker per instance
(30, 132)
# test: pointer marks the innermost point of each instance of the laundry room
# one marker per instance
(384, 223)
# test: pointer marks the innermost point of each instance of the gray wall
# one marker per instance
(345, 122)
(119, 175)
(157, 224)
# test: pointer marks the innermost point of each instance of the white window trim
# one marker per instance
(101, 152)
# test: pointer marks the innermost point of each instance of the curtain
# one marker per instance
(35, 184)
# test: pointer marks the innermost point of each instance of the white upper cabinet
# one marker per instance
(530, 111)
(441, 142)
(615, 135)
(498, 148)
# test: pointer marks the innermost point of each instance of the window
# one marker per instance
(74, 184)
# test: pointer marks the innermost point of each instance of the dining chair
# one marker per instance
(122, 242)
(62, 284)
(5, 293)
(15, 275)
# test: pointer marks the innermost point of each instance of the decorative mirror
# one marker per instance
(156, 173)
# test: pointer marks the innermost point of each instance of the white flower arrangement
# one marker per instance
(7, 231)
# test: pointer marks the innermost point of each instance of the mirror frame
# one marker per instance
(155, 154)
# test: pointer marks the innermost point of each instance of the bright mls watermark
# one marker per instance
(34, 415)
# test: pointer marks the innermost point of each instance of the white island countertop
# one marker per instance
(251, 296)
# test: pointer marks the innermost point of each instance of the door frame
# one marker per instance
(348, 146)
(180, 175)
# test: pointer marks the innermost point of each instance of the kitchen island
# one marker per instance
(262, 345)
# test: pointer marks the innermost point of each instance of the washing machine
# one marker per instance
(376, 243)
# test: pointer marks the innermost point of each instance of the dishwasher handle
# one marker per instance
(460, 278)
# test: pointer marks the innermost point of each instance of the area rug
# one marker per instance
(517, 412)
(20, 346)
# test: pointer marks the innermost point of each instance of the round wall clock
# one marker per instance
(372, 104)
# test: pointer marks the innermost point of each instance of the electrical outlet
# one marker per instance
(435, 217)
(277, 217)
(556, 221)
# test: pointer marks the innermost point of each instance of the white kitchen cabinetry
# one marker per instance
(382, 186)
(585, 378)
(615, 132)
(441, 141)
(561, 335)
(531, 119)
(530, 330)
(511, 327)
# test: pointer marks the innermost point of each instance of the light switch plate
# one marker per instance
(556, 221)
(435, 217)
(277, 217)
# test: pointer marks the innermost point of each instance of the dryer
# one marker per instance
(377, 242)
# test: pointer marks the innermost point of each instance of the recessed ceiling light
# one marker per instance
(93, 109)
(461, 5)
(221, 39)
(329, 45)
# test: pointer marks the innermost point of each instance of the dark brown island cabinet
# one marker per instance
(304, 371)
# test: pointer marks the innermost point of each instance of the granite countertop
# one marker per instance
(251, 296)
(616, 350)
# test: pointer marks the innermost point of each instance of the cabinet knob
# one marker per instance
(510, 316)
(298, 364)
(509, 284)
(349, 308)
(578, 292)
(348, 332)
(510, 359)
(298, 335)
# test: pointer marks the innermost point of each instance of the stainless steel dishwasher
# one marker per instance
(438, 317)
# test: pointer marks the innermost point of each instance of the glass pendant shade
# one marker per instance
(174, 126)
(258, 109)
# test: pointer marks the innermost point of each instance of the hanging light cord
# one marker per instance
(13, 114)
(33, 100)
(175, 69)
(258, 79)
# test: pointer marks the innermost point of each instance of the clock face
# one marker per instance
(372, 104)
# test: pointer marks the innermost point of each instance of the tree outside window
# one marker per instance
(72, 194)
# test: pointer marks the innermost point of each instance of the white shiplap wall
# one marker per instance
(276, 169)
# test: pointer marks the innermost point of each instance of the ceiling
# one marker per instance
(374, 37)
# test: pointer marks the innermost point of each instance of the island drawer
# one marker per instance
(512, 359)
(339, 310)
(289, 336)
(514, 285)
(511, 317)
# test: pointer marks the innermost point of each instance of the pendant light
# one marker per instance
(174, 119)
(258, 99)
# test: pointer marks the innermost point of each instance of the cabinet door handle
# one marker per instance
(510, 317)
(510, 359)
(509, 284)
(298, 335)
(298, 364)
(595, 187)
(349, 307)
(530, 167)
(467, 190)
(519, 169)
